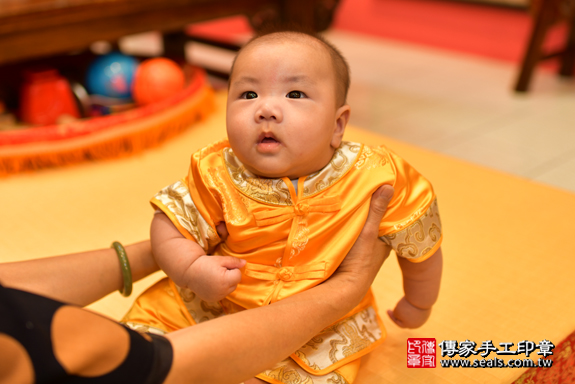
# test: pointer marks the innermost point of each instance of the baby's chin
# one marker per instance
(271, 173)
(274, 168)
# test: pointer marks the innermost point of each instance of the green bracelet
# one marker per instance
(125, 265)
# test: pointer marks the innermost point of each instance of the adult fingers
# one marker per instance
(222, 230)
(377, 208)
(368, 253)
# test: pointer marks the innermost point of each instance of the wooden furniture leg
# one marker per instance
(175, 45)
(544, 19)
(568, 59)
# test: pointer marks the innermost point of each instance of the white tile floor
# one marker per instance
(463, 106)
(456, 104)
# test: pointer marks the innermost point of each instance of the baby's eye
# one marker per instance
(249, 95)
(296, 95)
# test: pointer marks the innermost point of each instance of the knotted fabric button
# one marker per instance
(301, 209)
(285, 274)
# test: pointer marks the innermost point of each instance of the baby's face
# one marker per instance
(282, 119)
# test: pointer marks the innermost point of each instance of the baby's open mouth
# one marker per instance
(267, 138)
(267, 143)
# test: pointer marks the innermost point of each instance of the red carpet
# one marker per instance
(484, 30)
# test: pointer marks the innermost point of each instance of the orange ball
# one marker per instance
(157, 79)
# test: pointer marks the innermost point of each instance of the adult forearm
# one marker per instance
(79, 278)
(233, 348)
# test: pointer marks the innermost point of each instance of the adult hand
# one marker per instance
(363, 261)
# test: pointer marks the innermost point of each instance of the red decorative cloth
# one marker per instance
(562, 371)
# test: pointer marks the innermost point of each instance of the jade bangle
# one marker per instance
(125, 266)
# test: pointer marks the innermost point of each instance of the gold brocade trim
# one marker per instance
(199, 309)
(230, 307)
(177, 200)
(416, 239)
(343, 159)
(144, 328)
(371, 158)
(270, 191)
(348, 339)
(275, 191)
(288, 372)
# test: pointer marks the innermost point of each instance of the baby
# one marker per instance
(273, 211)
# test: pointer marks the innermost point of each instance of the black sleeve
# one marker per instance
(27, 318)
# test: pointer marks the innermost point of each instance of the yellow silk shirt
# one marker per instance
(294, 241)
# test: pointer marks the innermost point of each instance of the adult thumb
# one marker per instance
(377, 208)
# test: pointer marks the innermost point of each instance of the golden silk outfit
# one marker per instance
(292, 242)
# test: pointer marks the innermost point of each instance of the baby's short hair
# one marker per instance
(340, 66)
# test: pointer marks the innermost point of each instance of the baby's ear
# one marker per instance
(341, 118)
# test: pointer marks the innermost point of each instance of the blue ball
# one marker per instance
(111, 75)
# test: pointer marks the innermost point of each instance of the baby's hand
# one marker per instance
(407, 315)
(214, 277)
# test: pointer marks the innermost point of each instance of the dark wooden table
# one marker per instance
(31, 29)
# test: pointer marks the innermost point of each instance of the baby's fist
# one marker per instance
(214, 277)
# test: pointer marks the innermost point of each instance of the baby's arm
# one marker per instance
(421, 286)
(186, 263)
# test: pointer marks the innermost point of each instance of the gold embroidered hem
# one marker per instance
(175, 201)
(419, 237)
(288, 372)
(341, 343)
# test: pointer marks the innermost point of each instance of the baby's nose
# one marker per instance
(267, 116)
(268, 112)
